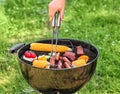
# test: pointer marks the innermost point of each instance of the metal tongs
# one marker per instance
(55, 30)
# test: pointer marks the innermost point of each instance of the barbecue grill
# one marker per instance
(64, 81)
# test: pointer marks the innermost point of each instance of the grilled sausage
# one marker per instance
(66, 65)
(59, 64)
(67, 60)
(70, 55)
(57, 56)
(52, 61)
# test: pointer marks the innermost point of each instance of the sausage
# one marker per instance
(52, 61)
(61, 58)
(67, 60)
(70, 55)
(66, 65)
(59, 64)
(57, 57)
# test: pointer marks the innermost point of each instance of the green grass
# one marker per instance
(93, 21)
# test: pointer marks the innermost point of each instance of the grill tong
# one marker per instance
(55, 30)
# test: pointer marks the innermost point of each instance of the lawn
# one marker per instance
(94, 21)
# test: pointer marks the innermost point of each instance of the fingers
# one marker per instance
(62, 14)
(55, 6)
(52, 11)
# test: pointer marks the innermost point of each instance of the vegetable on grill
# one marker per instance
(79, 62)
(43, 57)
(41, 63)
(85, 57)
(48, 47)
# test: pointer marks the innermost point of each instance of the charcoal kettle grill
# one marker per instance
(64, 81)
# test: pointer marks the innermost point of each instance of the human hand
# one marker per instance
(55, 6)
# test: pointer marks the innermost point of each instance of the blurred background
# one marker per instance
(94, 21)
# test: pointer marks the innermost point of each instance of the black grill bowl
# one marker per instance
(65, 80)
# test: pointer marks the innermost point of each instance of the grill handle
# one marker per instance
(16, 47)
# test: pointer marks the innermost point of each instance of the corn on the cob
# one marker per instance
(49, 47)
(41, 63)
